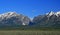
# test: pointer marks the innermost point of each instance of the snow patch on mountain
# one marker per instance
(53, 13)
(57, 13)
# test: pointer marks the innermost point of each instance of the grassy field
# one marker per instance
(18, 32)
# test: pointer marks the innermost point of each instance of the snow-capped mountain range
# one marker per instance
(48, 20)
(11, 18)
(51, 19)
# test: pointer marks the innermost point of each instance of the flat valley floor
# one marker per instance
(18, 32)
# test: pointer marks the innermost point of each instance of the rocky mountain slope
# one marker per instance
(12, 18)
(50, 19)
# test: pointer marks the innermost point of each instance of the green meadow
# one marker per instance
(27, 32)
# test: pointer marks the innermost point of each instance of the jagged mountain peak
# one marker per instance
(50, 13)
(8, 15)
(53, 13)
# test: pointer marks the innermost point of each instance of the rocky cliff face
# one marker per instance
(12, 18)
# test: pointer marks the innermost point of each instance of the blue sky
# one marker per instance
(29, 8)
